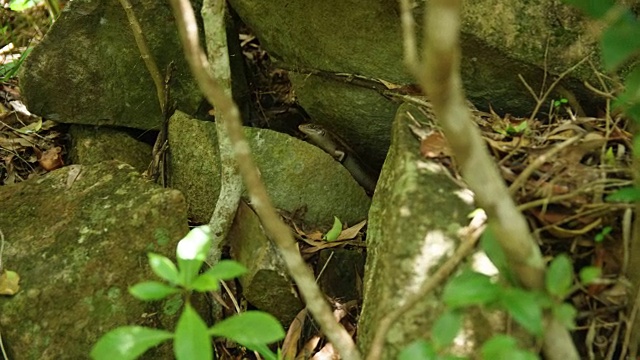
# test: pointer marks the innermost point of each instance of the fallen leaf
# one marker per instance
(9, 283)
(51, 159)
(434, 145)
(352, 232)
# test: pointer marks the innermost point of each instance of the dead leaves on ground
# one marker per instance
(28, 145)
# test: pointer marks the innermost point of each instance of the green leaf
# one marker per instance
(626, 194)
(593, 8)
(559, 276)
(504, 347)
(335, 231)
(192, 340)
(418, 350)
(446, 328)
(128, 342)
(224, 270)
(565, 314)
(589, 274)
(191, 252)
(248, 328)
(163, 267)
(620, 41)
(470, 288)
(227, 270)
(205, 282)
(494, 252)
(524, 306)
(22, 5)
(152, 290)
(631, 93)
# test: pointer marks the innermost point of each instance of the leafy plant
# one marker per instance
(192, 337)
(10, 70)
(22, 5)
(559, 102)
(525, 307)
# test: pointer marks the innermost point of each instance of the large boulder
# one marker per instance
(78, 237)
(88, 69)
(343, 54)
(297, 175)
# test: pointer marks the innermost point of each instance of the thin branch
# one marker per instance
(149, 61)
(440, 78)
(540, 160)
(1, 248)
(273, 225)
(213, 17)
(540, 100)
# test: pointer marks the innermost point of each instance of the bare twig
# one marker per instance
(1, 248)
(4, 353)
(440, 78)
(541, 99)
(149, 60)
(540, 160)
(274, 227)
(213, 16)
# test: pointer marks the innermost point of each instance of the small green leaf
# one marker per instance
(504, 347)
(127, 342)
(192, 340)
(626, 194)
(494, 252)
(446, 328)
(609, 157)
(224, 270)
(163, 267)
(589, 274)
(192, 251)
(604, 232)
(227, 270)
(152, 290)
(565, 314)
(559, 276)
(418, 350)
(335, 231)
(205, 282)
(470, 288)
(248, 328)
(524, 307)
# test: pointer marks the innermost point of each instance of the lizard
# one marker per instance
(332, 145)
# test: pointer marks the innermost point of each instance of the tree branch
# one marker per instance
(274, 227)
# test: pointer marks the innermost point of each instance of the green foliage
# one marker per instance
(559, 102)
(503, 347)
(22, 5)
(192, 337)
(559, 277)
(10, 70)
(604, 232)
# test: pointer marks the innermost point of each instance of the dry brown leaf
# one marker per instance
(51, 159)
(351, 232)
(434, 145)
(290, 344)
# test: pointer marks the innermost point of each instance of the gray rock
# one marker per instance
(267, 284)
(500, 41)
(79, 237)
(295, 173)
(88, 69)
(414, 221)
(91, 145)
